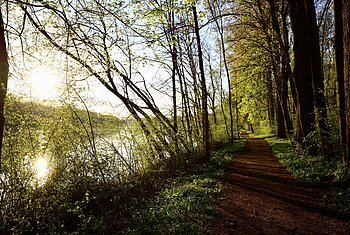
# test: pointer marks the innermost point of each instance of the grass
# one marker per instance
(311, 169)
(187, 202)
(315, 170)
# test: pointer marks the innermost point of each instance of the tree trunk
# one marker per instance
(229, 87)
(196, 101)
(302, 73)
(326, 148)
(270, 100)
(222, 99)
(288, 70)
(4, 70)
(211, 73)
(284, 99)
(282, 82)
(205, 116)
(173, 80)
(346, 31)
(185, 96)
(339, 64)
(220, 27)
(281, 128)
(228, 81)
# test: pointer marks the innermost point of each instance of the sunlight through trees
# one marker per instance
(109, 97)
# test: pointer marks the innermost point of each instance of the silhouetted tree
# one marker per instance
(4, 69)
(308, 76)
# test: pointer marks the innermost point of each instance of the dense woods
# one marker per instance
(300, 73)
(182, 77)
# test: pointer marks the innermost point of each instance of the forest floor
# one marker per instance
(259, 196)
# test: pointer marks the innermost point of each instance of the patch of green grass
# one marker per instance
(187, 203)
(315, 169)
(312, 169)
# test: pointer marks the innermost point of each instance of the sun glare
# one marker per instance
(41, 168)
(44, 83)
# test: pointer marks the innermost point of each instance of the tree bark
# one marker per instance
(173, 51)
(270, 100)
(286, 71)
(285, 106)
(339, 64)
(185, 96)
(220, 28)
(346, 31)
(211, 74)
(281, 127)
(282, 82)
(284, 123)
(4, 70)
(285, 36)
(305, 115)
(205, 116)
(318, 80)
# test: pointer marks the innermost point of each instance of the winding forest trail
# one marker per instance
(259, 196)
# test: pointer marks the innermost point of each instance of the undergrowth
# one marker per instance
(311, 169)
(187, 202)
(315, 170)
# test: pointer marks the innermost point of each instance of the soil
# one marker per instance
(260, 196)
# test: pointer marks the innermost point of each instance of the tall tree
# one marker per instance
(308, 75)
(339, 63)
(317, 78)
(99, 40)
(346, 31)
(205, 115)
(215, 10)
(302, 75)
(4, 70)
(270, 100)
(280, 71)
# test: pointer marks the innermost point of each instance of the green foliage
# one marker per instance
(338, 199)
(90, 188)
(263, 130)
(316, 170)
(33, 130)
(220, 128)
(222, 155)
(311, 169)
(220, 124)
(187, 203)
(181, 209)
(250, 86)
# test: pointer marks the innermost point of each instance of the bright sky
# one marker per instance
(40, 83)
(44, 78)
(48, 83)
(44, 83)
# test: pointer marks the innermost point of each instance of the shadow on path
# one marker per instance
(259, 196)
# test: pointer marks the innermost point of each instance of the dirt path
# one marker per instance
(260, 197)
